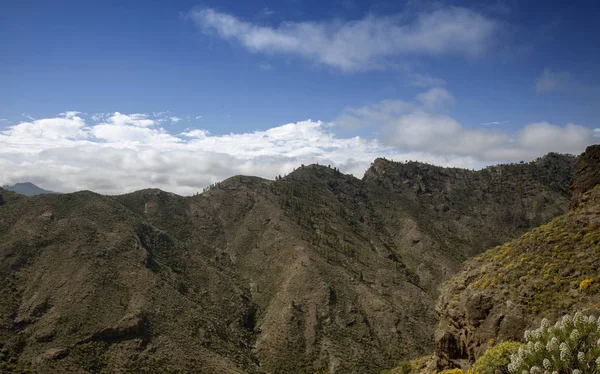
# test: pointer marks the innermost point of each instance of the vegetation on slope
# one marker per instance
(545, 273)
(551, 269)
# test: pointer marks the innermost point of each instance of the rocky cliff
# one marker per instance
(587, 173)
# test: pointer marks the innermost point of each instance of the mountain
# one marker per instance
(27, 189)
(313, 272)
(546, 273)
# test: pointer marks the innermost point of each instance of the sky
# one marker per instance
(115, 96)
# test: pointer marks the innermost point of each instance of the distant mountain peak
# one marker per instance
(27, 189)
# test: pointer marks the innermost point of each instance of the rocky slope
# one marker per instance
(587, 174)
(317, 271)
(547, 272)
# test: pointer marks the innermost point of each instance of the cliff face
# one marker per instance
(587, 173)
(315, 271)
(460, 213)
(547, 272)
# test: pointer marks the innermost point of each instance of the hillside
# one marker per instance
(316, 271)
(27, 189)
(549, 271)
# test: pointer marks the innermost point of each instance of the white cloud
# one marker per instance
(551, 81)
(198, 117)
(175, 119)
(266, 12)
(421, 127)
(97, 117)
(70, 113)
(363, 44)
(536, 139)
(424, 80)
(118, 154)
(68, 128)
(423, 131)
(493, 123)
(560, 139)
(435, 97)
(195, 133)
(125, 136)
(160, 114)
(136, 119)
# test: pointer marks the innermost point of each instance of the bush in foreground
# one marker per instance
(571, 346)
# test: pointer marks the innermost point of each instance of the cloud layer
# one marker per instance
(421, 126)
(364, 44)
(117, 153)
(120, 153)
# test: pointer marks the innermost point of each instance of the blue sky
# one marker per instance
(424, 79)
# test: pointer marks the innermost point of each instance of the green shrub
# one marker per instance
(404, 367)
(496, 359)
(571, 346)
(425, 364)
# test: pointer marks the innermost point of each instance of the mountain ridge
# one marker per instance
(315, 271)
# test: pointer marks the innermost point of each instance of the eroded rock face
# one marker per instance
(587, 173)
(510, 288)
(472, 322)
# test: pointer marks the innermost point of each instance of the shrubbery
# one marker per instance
(495, 359)
(571, 346)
